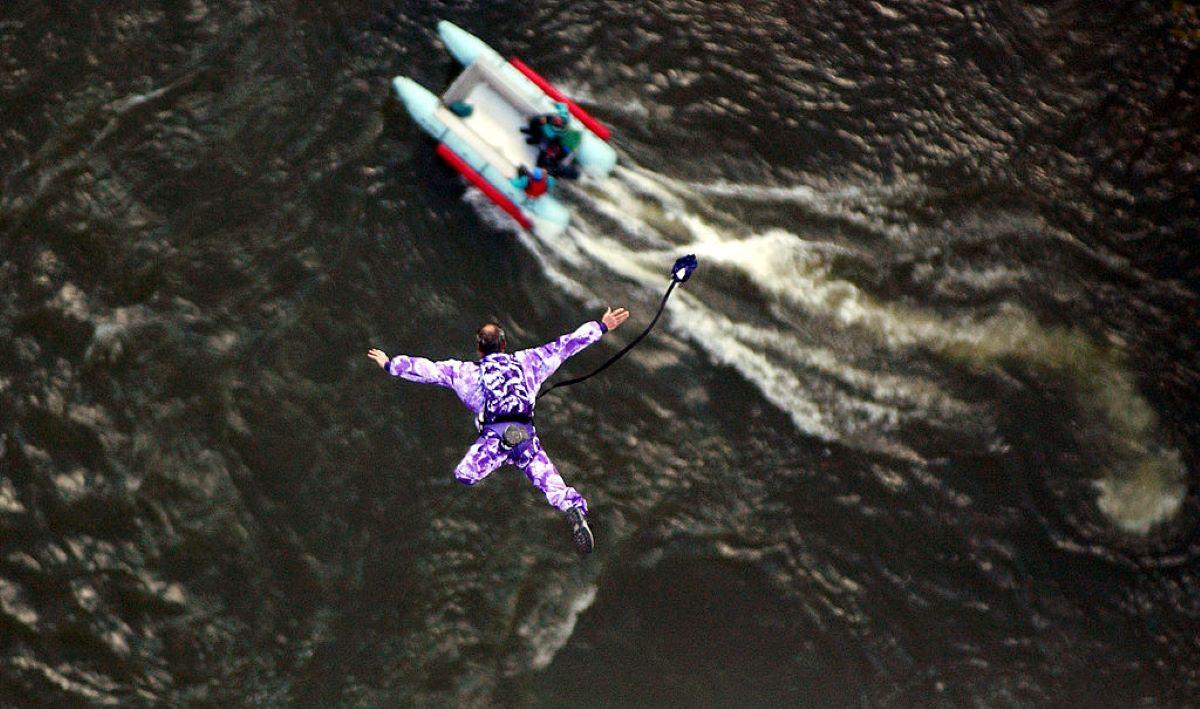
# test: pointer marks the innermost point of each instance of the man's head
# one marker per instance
(490, 339)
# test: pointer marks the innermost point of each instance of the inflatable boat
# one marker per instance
(478, 122)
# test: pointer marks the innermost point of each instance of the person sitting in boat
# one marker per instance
(535, 182)
(556, 142)
(558, 159)
(547, 126)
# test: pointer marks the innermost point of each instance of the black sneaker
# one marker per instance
(584, 542)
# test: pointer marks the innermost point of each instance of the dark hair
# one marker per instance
(490, 338)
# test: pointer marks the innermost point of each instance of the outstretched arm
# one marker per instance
(543, 361)
(416, 369)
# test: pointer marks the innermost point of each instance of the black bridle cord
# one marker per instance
(680, 273)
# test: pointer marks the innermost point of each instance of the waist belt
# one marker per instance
(511, 418)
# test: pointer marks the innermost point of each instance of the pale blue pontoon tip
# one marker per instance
(550, 215)
(596, 156)
(419, 101)
(465, 46)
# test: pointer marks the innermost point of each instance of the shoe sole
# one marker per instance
(582, 536)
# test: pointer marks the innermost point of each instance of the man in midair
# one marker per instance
(501, 389)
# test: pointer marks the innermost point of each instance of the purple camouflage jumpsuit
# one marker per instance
(486, 454)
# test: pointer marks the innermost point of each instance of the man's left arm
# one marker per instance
(418, 369)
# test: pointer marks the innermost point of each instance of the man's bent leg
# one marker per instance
(483, 457)
(541, 472)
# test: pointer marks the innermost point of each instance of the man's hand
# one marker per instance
(379, 356)
(613, 318)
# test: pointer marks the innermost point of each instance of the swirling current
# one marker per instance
(921, 430)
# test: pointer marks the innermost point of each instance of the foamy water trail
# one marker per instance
(864, 207)
(1144, 481)
(786, 370)
(820, 385)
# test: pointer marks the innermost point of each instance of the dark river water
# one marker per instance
(921, 431)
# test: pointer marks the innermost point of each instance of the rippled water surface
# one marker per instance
(921, 429)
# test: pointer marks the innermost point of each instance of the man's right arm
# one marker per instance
(541, 362)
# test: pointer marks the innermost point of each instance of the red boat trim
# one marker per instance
(584, 117)
(498, 197)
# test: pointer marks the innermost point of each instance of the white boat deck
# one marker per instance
(481, 146)
(499, 123)
(497, 116)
